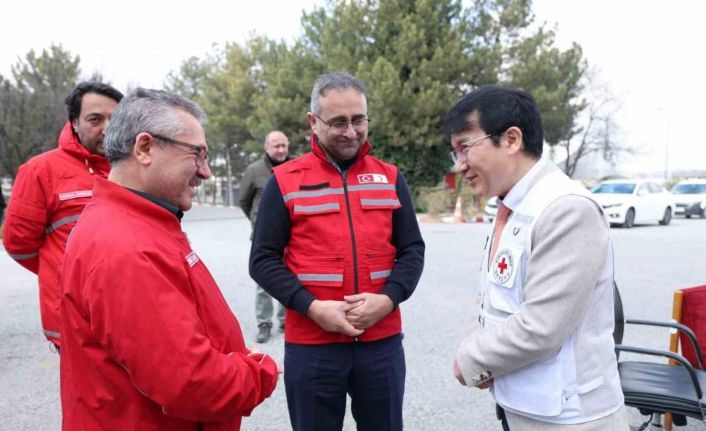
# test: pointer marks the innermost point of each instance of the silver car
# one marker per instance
(690, 198)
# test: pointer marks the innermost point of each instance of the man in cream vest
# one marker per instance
(542, 342)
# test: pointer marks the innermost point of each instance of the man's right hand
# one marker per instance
(331, 315)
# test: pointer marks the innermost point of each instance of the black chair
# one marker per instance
(656, 388)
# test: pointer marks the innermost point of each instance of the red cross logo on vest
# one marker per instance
(502, 266)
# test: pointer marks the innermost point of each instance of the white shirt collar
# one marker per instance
(521, 188)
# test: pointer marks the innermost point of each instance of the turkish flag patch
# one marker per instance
(372, 178)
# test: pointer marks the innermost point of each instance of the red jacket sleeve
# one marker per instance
(26, 218)
(142, 310)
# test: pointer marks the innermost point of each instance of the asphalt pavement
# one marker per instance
(651, 262)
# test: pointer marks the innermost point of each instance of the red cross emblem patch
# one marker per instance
(503, 266)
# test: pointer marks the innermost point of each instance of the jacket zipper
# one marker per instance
(350, 225)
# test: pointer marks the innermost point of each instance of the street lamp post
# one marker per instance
(667, 174)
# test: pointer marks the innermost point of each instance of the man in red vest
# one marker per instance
(337, 242)
(50, 191)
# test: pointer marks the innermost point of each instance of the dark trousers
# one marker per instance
(318, 377)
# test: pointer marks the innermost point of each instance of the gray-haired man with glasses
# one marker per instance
(337, 242)
(149, 342)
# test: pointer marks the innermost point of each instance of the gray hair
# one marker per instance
(144, 110)
(332, 81)
(267, 137)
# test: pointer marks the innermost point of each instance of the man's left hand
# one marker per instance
(366, 309)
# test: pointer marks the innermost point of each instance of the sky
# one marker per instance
(650, 53)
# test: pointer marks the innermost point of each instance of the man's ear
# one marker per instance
(144, 147)
(74, 125)
(311, 118)
(514, 140)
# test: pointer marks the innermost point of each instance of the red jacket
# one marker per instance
(149, 342)
(48, 195)
(340, 241)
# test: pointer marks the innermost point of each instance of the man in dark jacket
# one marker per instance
(2, 206)
(254, 180)
(50, 191)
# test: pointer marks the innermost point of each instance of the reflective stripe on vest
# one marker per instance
(380, 202)
(313, 193)
(320, 277)
(24, 256)
(359, 187)
(316, 208)
(336, 191)
(57, 224)
(51, 333)
(380, 274)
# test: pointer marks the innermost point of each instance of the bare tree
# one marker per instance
(596, 130)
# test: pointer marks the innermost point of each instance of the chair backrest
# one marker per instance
(692, 314)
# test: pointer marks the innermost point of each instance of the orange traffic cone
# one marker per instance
(458, 211)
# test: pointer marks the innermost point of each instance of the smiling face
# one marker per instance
(93, 119)
(174, 171)
(338, 105)
(487, 167)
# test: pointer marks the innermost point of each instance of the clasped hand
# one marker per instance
(352, 315)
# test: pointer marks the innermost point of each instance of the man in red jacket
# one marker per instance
(149, 342)
(337, 241)
(50, 191)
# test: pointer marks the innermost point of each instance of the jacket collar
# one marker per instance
(109, 191)
(95, 163)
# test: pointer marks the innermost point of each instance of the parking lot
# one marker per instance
(651, 262)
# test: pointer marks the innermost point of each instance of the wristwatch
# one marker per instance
(482, 378)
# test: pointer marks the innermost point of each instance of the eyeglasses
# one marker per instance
(200, 151)
(358, 124)
(459, 152)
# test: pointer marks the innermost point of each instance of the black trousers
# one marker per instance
(318, 378)
(500, 413)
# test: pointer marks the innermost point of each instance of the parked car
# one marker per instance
(627, 202)
(690, 198)
(491, 208)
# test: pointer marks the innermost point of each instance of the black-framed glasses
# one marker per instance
(459, 152)
(200, 151)
(358, 124)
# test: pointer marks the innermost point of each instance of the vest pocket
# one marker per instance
(538, 388)
(380, 266)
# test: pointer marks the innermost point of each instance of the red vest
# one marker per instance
(341, 235)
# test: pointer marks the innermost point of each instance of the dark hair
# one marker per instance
(73, 100)
(499, 108)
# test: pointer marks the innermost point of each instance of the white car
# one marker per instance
(627, 202)
(690, 198)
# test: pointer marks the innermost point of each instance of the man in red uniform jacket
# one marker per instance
(337, 241)
(149, 342)
(50, 191)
